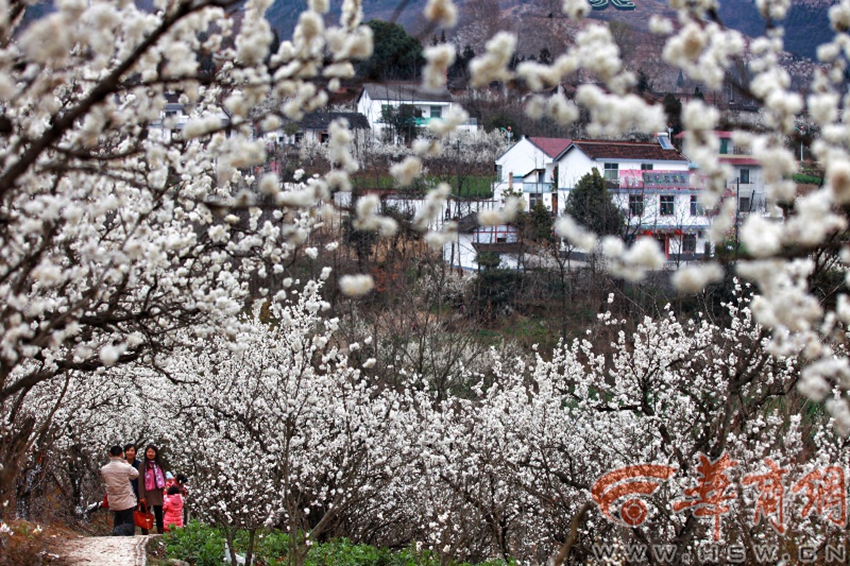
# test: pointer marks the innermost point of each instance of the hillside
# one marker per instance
(537, 21)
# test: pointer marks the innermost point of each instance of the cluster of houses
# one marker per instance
(654, 184)
(370, 101)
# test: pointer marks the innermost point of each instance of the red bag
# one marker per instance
(105, 503)
(143, 517)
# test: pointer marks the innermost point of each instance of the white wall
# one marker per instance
(521, 158)
(373, 110)
(573, 166)
(519, 162)
(576, 164)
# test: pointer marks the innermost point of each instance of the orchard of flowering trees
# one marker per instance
(153, 288)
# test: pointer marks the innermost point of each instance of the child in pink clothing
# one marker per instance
(173, 508)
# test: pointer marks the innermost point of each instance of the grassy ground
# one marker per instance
(466, 187)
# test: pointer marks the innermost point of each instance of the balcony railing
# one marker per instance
(537, 188)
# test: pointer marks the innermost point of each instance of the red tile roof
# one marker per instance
(739, 159)
(553, 147)
(645, 151)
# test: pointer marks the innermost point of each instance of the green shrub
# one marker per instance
(807, 179)
(271, 548)
(202, 545)
(196, 543)
(343, 552)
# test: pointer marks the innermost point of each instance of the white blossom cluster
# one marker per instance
(128, 246)
(280, 429)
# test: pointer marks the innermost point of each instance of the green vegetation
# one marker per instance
(479, 186)
(403, 121)
(591, 205)
(808, 178)
(202, 545)
(396, 56)
(197, 544)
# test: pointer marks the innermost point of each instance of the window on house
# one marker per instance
(689, 243)
(724, 146)
(299, 137)
(646, 166)
(744, 204)
(667, 205)
(636, 205)
(697, 208)
(533, 199)
(745, 176)
(436, 112)
(324, 137)
(498, 173)
(612, 171)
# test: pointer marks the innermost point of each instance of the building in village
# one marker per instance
(651, 182)
(530, 167)
(376, 100)
(314, 128)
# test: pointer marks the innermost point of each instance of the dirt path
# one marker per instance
(105, 551)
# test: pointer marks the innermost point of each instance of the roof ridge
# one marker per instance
(619, 142)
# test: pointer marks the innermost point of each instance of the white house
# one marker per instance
(529, 167)
(653, 185)
(376, 98)
(314, 128)
(664, 204)
(610, 157)
(651, 182)
(174, 118)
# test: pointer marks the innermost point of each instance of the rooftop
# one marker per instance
(405, 92)
(644, 151)
(553, 147)
(321, 120)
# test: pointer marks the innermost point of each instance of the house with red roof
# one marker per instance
(529, 167)
(651, 182)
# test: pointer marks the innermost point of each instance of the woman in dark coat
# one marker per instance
(152, 484)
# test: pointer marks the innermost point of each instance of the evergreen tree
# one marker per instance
(590, 204)
(397, 55)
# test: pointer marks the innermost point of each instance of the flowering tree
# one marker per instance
(116, 232)
(126, 240)
(279, 430)
(539, 438)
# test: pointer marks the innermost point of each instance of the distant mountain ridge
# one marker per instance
(806, 26)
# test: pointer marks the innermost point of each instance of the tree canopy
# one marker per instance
(590, 203)
(396, 55)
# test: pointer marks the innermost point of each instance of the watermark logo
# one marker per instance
(714, 553)
(643, 479)
(619, 493)
(711, 492)
(825, 492)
